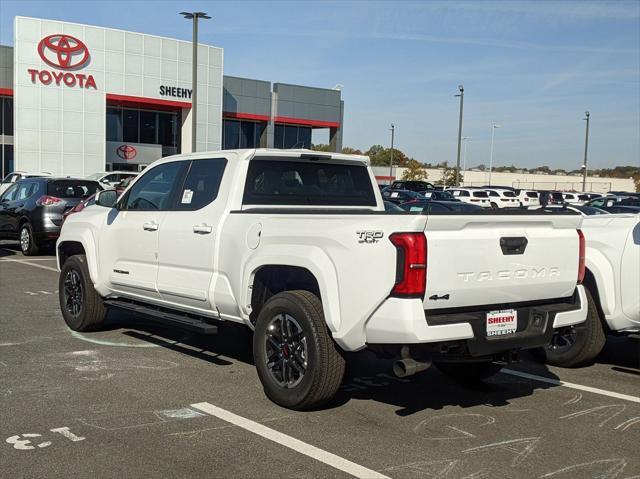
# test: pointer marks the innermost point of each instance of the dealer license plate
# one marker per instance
(502, 322)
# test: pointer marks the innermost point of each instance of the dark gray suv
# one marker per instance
(32, 209)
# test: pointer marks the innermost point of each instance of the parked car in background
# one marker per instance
(12, 178)
(584, 210)
(551, 198)
(432, 206)
(400, 196)
(527, 197)
(124, 184)
(500, 198)
(110, 179)
(471, 195)
(439, 195)
(612, 283)
(625, 193)
(616, 204)
(574, 198)
(412, 185)
(32, 209)
(392, 207)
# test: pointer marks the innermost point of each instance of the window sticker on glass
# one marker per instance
(394, 195)
(187, 196)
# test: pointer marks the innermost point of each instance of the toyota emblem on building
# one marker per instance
(126, 152)
(63, 51)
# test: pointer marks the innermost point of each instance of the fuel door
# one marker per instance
(253, 235)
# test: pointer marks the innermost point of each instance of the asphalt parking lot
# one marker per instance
(139, 400)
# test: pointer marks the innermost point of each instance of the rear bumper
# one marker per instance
(404, 321)
(46, 227)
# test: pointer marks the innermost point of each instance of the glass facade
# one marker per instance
(145, 126)
(241, 134)
(6, 129)
(291, 136)
(6, 116)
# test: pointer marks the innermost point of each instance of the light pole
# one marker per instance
(194, 74)
(393, 130)
(464, 156)
(493, 130)
(461, 95)
(586, 147)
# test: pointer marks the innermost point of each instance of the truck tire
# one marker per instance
(580, 347)
(28, 244)
(82, 307)
(469, 373)
(297, 361)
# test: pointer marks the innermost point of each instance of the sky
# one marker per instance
(534, 67)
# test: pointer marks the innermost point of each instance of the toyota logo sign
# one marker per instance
(63, 51)
(126, 152)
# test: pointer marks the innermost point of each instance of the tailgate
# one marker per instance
(494, 260)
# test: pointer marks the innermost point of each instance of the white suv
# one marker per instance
(471, 195)
(500, 198)
(528, 198)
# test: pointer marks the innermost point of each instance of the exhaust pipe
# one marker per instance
(408, 367)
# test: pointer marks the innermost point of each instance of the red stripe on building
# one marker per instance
(304, 122)
(140, 101)
(6, 91)
(245, 116)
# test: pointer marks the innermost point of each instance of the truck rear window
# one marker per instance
(277, 182)
(71, 188)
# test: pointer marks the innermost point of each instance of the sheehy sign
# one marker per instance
(67, 55)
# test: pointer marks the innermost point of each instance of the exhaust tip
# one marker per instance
(408, 367)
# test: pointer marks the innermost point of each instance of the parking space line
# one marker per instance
(292, 443)
(580, 387)
(30, 259)
(49, 268)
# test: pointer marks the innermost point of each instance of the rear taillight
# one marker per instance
(582, 250)
(411, 266)
(47, 200)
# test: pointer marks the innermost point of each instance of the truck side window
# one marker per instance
(201, 184)
(154, 190)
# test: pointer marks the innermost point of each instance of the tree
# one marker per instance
(321, 147)
(449, 176)
(415, 171)
(351, 151)
(636, 181)
(381, 156)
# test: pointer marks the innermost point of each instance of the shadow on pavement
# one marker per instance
(367, 377)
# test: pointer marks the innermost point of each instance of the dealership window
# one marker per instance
(6, 116)
(114, 124)
(145, 126)
(291, 136)
(130, 126)
(6, 160)
(241, 134)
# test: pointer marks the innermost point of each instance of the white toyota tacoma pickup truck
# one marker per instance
(612, 282)
(297, 246)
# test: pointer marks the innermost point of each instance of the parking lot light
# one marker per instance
(194, 16)
(493, 129)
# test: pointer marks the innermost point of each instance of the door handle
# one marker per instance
(150, 226)
(202, 229)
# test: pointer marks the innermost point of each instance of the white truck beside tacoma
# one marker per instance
(612, 283)
(296, 245)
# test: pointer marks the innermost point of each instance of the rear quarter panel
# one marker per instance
(354, 276)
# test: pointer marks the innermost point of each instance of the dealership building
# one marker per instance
(78, 99)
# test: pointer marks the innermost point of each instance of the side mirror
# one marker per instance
(105, 181)
(107, 198)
